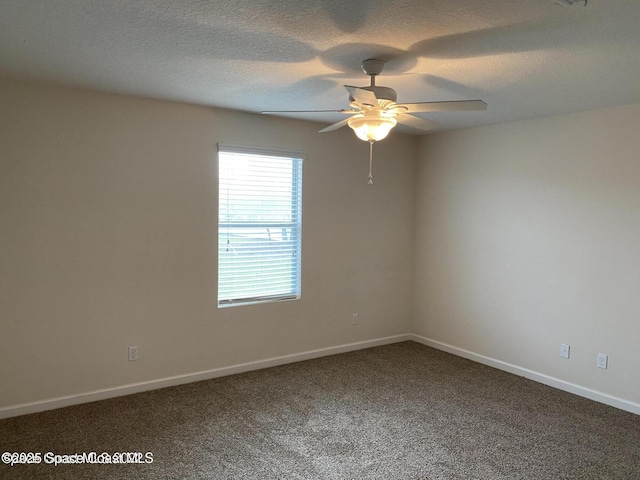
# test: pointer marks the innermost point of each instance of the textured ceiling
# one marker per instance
(525, 58)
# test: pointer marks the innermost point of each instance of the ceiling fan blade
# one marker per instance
(416, 122)
(271, 112)
(366, 97)
(454, 106)
(334, 126)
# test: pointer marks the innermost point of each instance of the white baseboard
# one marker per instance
(620, 403)
(103, 394)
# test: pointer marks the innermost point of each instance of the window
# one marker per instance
(259, 225)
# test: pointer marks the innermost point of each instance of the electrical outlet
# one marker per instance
(133, 354)
(355, 319)
(602, 360)
(564, 350)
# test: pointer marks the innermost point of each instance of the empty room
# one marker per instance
(280, 239)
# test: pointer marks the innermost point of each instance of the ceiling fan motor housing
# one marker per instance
(382, 93)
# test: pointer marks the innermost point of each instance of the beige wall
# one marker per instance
(108, 214)
(527, 236)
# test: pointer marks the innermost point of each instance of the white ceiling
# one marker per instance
(525, 58)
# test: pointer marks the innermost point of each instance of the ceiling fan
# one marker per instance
(374, 111)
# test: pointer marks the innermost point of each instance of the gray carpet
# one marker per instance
(402, 411)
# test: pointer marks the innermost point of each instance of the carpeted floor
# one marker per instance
(402, 411)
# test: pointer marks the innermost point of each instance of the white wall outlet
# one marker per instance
(564, 350)
(355, 319)
(602, 360)
(133, 354)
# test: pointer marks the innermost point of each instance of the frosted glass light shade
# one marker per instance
(371, 126)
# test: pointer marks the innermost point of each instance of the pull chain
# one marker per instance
(370, 161)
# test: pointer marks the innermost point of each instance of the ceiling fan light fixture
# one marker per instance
(372, 126)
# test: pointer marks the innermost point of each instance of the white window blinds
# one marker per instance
(259, 225)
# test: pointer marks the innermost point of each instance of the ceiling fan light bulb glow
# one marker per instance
(371, 128)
